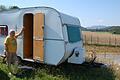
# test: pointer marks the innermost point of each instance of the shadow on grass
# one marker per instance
(25, 73)
(79, 72)
(3, 76)
(68, 71)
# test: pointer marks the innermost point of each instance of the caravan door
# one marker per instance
(38, 32)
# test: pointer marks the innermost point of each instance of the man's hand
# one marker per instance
(22, 30)
(5, 53)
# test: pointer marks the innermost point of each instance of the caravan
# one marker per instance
(50, 37)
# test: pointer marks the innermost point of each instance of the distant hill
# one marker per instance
(83, 28)
(111, 29)
(97, 27)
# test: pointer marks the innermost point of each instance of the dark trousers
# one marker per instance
(11, 58)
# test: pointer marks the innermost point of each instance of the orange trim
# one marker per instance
(38, 50)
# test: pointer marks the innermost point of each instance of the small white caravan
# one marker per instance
(50, 37)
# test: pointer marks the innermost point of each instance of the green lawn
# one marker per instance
(62, 72)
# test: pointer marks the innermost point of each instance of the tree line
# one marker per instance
(111, 29)
(4, 8)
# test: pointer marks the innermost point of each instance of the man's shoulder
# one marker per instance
(7, 37)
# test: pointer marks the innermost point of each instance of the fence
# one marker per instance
(101, 38)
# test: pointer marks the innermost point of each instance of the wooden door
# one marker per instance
(38, 32)
(28, 36)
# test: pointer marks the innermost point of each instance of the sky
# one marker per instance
(89, 12)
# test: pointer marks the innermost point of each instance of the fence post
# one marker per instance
(91, 39)
(97, 39)
(115, 41)
(109, 40)
(85, 39)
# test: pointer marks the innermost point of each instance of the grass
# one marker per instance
(102, 49)
(105, 45)
(64, 71)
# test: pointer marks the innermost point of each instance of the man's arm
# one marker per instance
(18, 34)
(6, 48)
(6, 44)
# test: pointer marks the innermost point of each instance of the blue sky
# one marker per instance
(90, 12)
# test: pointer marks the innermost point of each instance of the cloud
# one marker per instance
(100, 20)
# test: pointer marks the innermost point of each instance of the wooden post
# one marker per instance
(97, 39)
(85, 39)
(91, 39)
(109, 40)
(115, 41)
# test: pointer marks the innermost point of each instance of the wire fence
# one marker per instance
(105, 39)
(101, 38)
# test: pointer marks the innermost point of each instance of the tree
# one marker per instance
(2, 8)
(14, 7)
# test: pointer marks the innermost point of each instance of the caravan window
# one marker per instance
(74, 34)
(3, 30)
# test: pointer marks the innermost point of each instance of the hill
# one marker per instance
(83, 28)
(111, 29)
(97, 27)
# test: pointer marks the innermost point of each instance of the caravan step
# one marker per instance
(32, 60)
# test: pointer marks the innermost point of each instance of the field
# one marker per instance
(101, 38)
(101, 42)
(102, 49)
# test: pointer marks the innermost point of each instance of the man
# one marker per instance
(11, 46)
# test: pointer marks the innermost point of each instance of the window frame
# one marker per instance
(70, 38)
(3, 34)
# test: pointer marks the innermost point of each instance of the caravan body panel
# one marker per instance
(56, 45)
